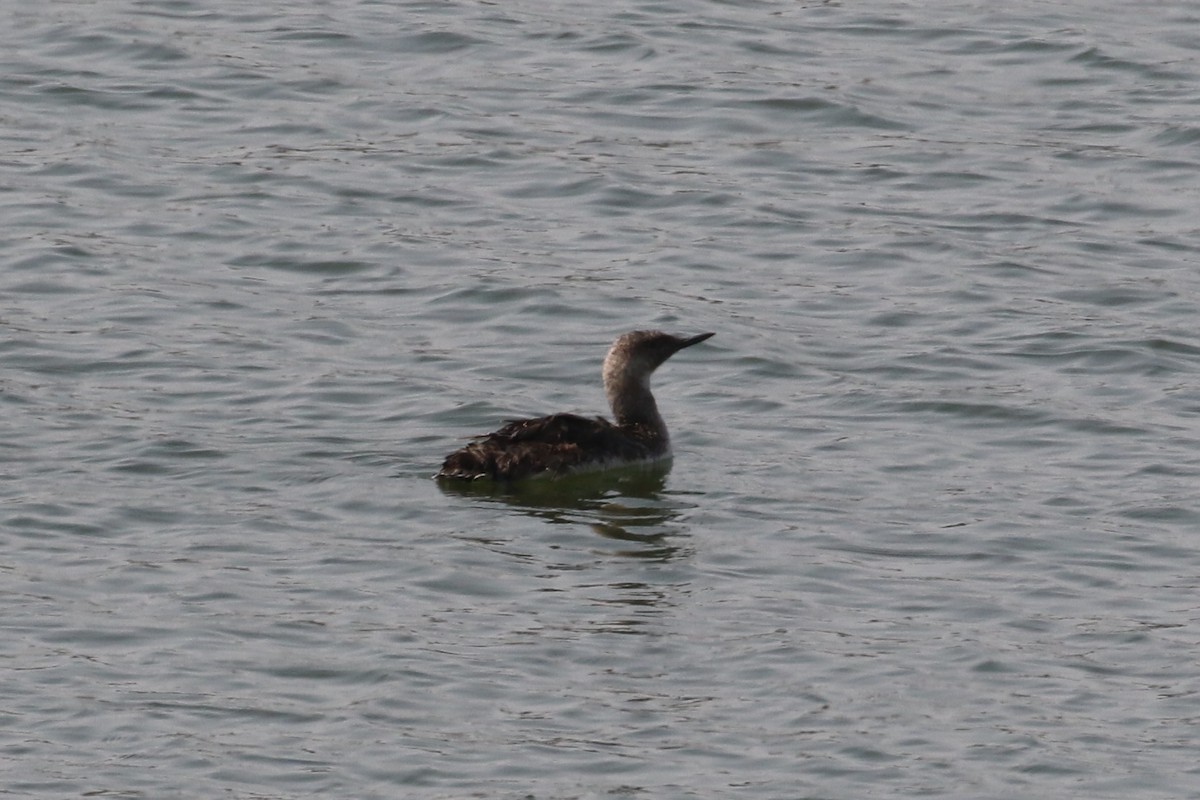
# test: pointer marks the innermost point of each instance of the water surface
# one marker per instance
(931, 524)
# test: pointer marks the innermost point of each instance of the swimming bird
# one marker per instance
(565, 443)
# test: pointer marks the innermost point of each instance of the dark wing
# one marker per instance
(554, 444)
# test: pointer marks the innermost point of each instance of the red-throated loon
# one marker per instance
(562, 443)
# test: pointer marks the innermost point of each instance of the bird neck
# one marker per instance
(632, 403)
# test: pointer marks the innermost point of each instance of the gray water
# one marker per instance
(932, 525)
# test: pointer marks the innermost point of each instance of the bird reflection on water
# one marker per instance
(628, 504)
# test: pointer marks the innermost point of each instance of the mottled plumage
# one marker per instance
(563, 443)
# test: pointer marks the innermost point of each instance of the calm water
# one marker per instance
(933, 525)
